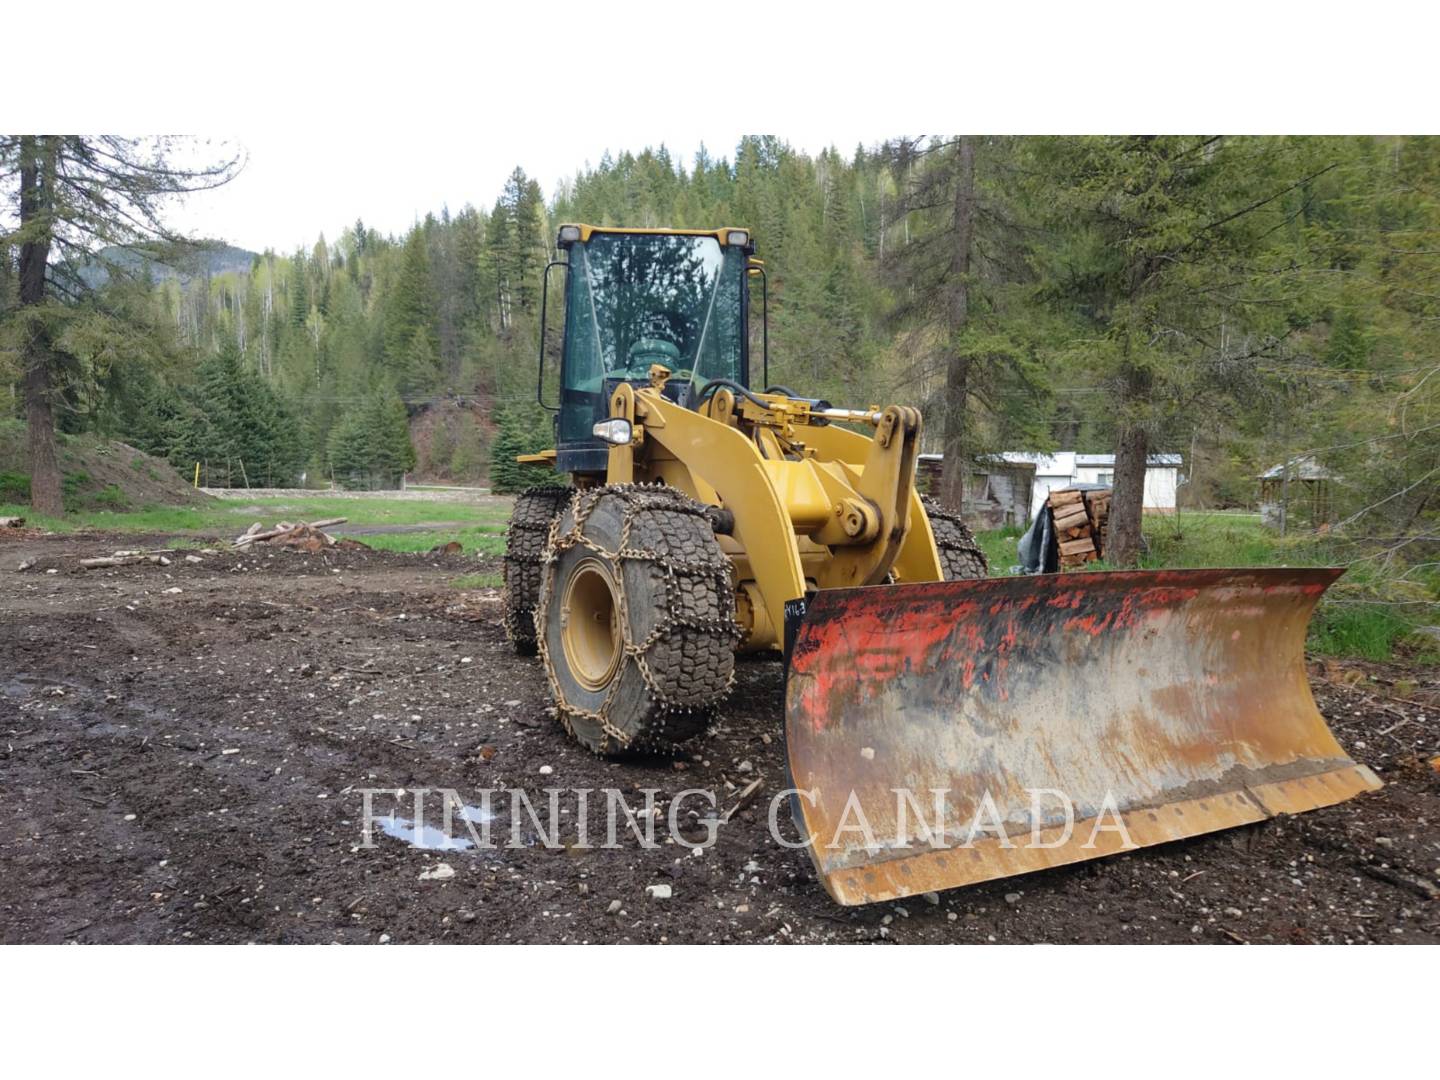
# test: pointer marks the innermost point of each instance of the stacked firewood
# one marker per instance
(307, 536)
(1081, 523)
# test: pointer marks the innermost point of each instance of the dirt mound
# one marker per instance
(99, 474)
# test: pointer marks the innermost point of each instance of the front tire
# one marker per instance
(635, 620)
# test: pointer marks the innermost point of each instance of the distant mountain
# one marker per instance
(188, 264)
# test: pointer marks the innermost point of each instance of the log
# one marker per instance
(1077, 547)
(1064, 498)
(1068, 519)
(11, 522)
(124, 558)
(252, 537)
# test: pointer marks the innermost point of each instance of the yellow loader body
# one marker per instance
(942, 727)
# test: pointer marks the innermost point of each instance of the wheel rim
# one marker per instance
(590, 625)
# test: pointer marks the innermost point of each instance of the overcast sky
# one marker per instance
(297, 185)
(391, 114)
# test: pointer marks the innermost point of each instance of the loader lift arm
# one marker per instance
(864, 510)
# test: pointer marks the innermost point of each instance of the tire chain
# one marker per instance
(956, 543)
(640, 498)
(525, 542)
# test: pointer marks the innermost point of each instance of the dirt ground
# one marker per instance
(182, 751)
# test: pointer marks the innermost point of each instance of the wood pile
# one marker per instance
(306, 536)
(1082, 521)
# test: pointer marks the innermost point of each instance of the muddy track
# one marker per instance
(186, 766)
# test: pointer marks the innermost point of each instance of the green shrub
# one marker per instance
(109, 498)
(14, 487)
(74, 482)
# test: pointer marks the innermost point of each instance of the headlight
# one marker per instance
(616, 431)
(738, 237)
(569, 234)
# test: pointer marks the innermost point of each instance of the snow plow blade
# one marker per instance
(938, 732)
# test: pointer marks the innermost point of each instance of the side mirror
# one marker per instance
(544, 300)
(756, 268)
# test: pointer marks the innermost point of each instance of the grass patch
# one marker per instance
(1000, 547)
(150, 519)
(1365, 631)
(478, 540)
(1200, 539)
(377, 511)
(224, 517)
(478, 581)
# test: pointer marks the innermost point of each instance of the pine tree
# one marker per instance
(420, 367)
(82, 202)
(409, 308)
(392, 452)
(520, 431)
(348, 451)
(1152, 244)
(298, 285)
(518, 242)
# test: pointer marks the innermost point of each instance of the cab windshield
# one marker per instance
(641, 299)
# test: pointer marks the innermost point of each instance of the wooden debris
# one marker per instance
(125, 558)
(308, 536)
(12, 522)
(743, 800)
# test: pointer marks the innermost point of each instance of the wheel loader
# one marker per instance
(941, 727)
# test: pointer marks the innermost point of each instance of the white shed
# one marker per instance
(1060, 470)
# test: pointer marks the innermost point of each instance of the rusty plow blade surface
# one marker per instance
(1156, 705)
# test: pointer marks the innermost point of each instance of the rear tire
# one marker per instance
(636, 618)
(960, 556)
(525, 541)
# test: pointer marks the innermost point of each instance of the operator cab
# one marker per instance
(634, 298)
